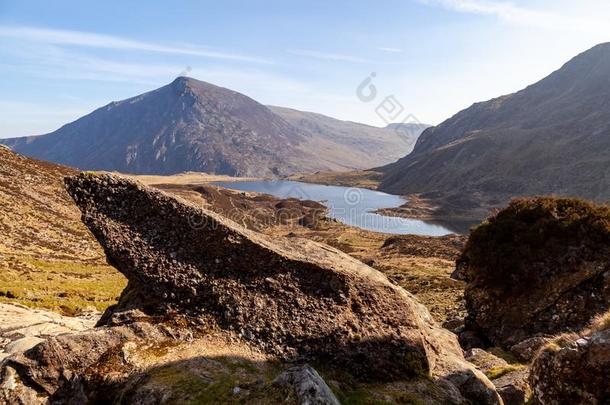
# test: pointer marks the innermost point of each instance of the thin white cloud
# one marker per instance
(327, 56)
(511, 13)
(391, 50)
(54, 62)
(94, 40)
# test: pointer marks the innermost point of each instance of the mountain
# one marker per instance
(364, 143)
(190, 125)
(553, 137)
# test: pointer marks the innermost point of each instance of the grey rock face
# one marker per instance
(309, 387)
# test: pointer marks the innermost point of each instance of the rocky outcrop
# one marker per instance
(192, 275)
(83, 367)
(573, 368)
(191, 271)
(527, 349)
(22, 328)
(513, 387)
(540, 266)
(510, 380)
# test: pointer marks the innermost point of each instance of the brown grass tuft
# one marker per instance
(601, 322)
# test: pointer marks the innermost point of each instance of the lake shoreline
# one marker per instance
(353, 206)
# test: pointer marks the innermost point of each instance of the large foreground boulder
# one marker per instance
(191, 271)
(541, 266)
(573, 368)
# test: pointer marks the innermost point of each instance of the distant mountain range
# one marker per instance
(553, 137)
(190, 125)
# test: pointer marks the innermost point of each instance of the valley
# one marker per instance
(69, 278)
(191, 244)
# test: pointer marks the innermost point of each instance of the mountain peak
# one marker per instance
(192, 125)
(181, 83)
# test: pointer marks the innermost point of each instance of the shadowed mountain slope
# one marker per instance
(553, 137)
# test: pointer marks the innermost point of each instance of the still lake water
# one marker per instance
(350, 205)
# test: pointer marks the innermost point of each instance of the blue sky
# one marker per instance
(61, 59)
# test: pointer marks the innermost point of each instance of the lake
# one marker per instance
(349, 205)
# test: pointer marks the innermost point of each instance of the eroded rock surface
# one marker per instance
(483, 360)
(22, 328)
(540, 266)
(527, 349)
(513, 387)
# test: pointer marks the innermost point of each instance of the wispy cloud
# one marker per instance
(511, 13)
(327, 56)
(55, 62)
(95, 40)
(391, 50)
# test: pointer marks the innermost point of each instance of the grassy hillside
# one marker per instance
(47, 256)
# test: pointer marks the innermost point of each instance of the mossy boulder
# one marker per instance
(539, 266)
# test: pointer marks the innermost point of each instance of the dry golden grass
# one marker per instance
(601, 322)
(499, 371)
(192, 178)
(364, 178)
